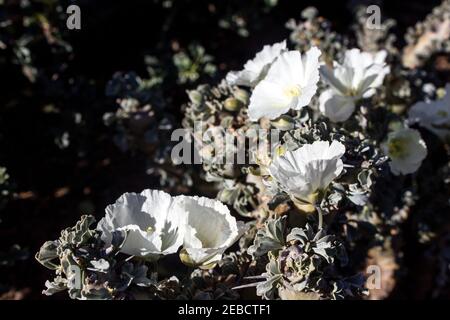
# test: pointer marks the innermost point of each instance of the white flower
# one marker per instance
(290, 83)
(435, 115)
(358, 77)
(210, 230)
(152, 219)
(406, 149)
(159, 224)
(256, 69)
(308, 170)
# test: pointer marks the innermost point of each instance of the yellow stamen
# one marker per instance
(351, 92)
(397, 148)
(442, 113)
(292, 92)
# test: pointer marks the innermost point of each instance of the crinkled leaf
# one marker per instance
(269, 238)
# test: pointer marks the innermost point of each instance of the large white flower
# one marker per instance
(435, 115)
(358, 77)
(256, 68)
(290, 83)
(210, 230)
(406, 149)
(153, 221)
(308, 170)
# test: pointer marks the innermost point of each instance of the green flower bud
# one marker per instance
(241, 95)
(232, 104)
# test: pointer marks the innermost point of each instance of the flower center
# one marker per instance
(442, 113)
(351, 92)
(292, 92)
(397, 148)
(150, 230)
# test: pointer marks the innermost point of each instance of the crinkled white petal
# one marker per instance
(310, 63)
(205, 256)
(307, 93)
(153, 221)
(359, 74)
(268, 100)
(336, 107)
(241, 78)
(308, 169)
(211, 229)
(255, 69)
(369, 69)
(139, 242)
(373, 78)
(338, 82)
(290, 83)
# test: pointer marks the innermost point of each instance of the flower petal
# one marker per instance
(152, 218)
(406, 149)
(140, 243)
(328, 76)
(336, 107)
(211, 229)
(306, 170)
(268, 100)
(291, 82)
(256, 68)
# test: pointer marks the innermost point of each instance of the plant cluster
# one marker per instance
(360, 157)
